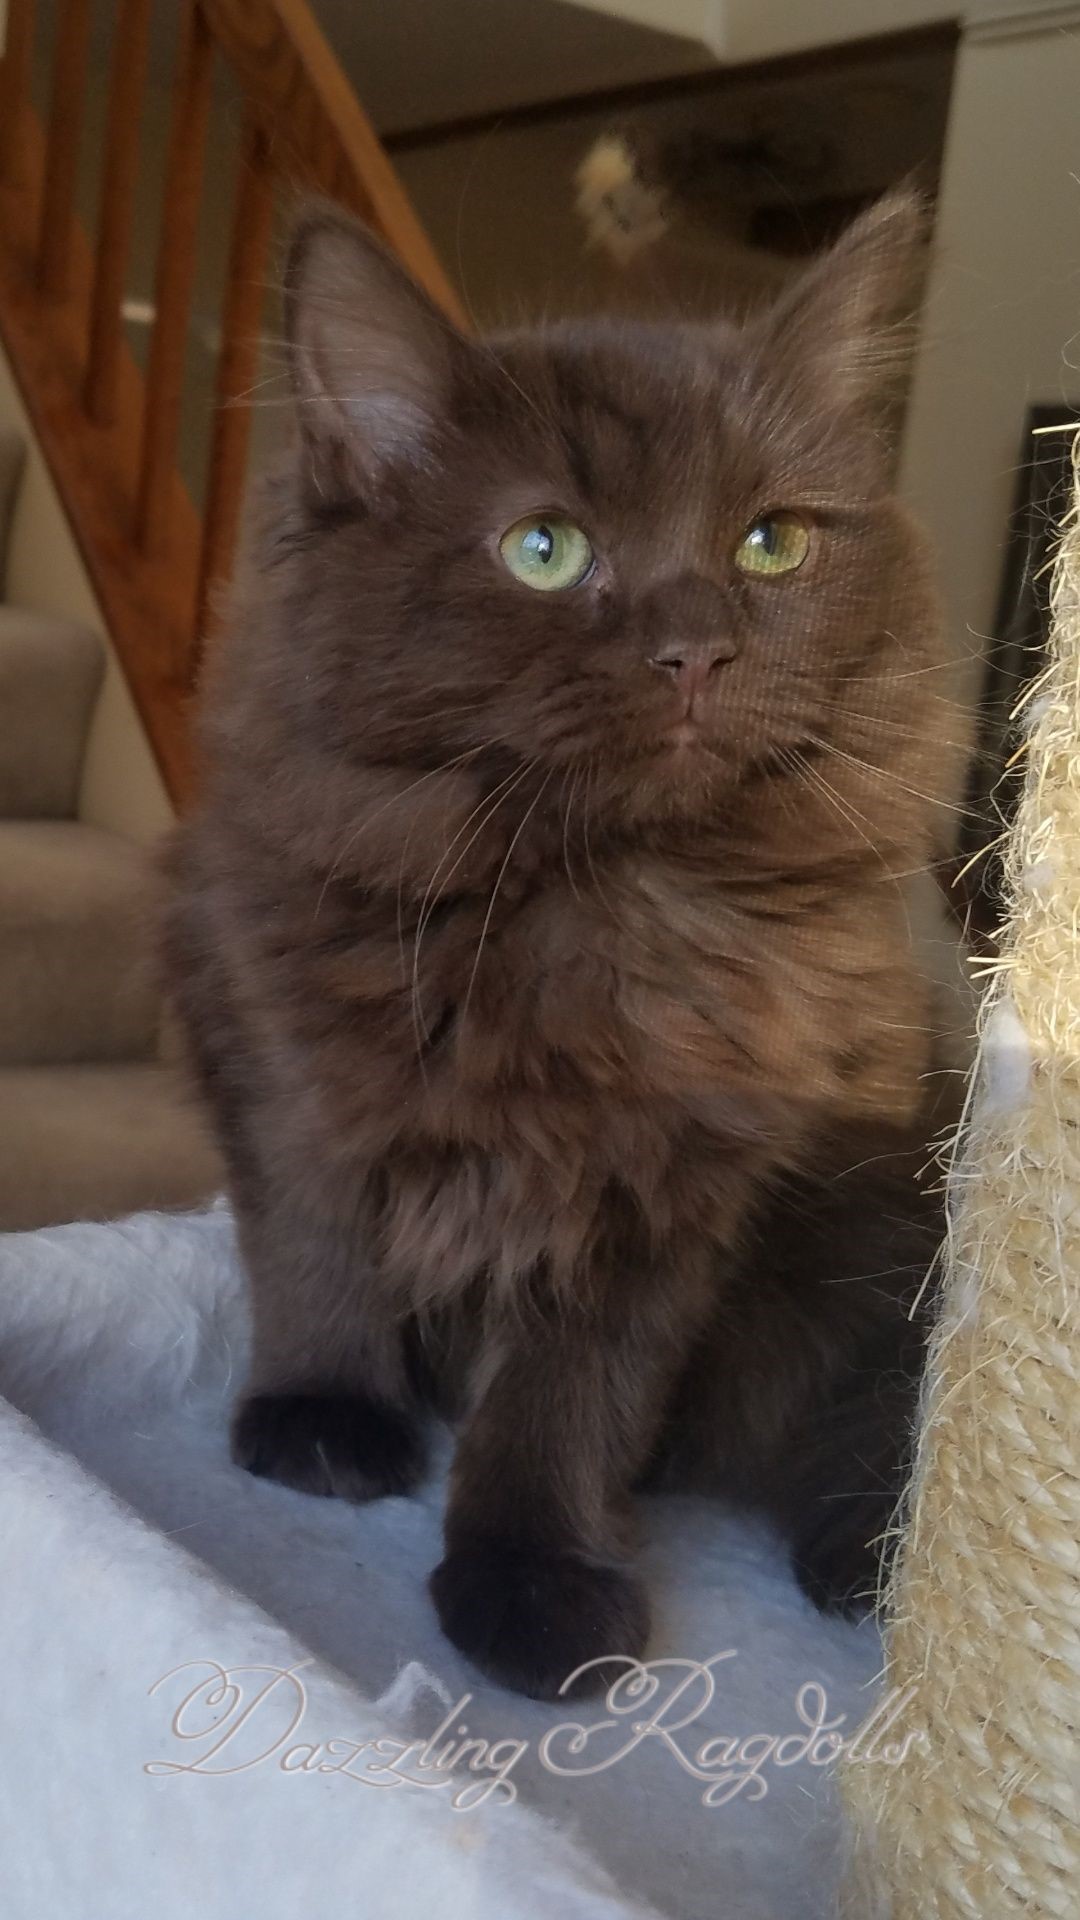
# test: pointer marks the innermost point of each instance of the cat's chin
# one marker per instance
(685, 739)
(678, 778)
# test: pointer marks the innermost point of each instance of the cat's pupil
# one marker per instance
(539, 542)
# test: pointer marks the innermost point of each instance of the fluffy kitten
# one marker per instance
(542, 917)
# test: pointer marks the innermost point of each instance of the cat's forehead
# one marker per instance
(632, 410)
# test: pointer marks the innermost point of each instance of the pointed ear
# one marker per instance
(845, 328)
(370, 356)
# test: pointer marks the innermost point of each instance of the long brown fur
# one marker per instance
(522, 1015)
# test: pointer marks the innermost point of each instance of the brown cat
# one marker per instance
(543, 916)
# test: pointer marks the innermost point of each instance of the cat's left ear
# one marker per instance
(845, 328)
(371, 356)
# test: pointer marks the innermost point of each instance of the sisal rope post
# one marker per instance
(980, 1817)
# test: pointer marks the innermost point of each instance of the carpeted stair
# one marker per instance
(93, 1121)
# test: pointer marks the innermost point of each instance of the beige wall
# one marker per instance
(1002, 320)
(500, 205)
(760, 29)
(122, 789)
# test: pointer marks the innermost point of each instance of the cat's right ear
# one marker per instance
(370, 356)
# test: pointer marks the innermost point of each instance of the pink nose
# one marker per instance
(690, 664)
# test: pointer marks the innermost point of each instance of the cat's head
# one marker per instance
(661, 553)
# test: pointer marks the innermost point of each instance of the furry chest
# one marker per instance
(670, 1001)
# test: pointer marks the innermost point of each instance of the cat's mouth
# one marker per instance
(686, 739)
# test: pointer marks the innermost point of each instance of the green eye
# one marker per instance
(777, 544)
(547, 553)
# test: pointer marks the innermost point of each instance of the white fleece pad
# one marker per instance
(308, 1751)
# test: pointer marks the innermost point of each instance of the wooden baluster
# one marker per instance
(175, 278)
(15, 73)
(62, 154)
(237, 363)
(119, 175)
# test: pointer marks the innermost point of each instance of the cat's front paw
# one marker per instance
(329, 1443)
(837, 1557)
(530, 1619)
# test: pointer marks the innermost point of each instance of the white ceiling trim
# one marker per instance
(735, 31)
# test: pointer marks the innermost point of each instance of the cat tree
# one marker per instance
(980, 1819)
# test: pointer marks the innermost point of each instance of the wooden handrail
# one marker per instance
(319, 132)
(109, 434)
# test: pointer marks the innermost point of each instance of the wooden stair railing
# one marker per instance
(109, 434)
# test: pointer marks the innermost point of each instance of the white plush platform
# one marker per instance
(131, 1547)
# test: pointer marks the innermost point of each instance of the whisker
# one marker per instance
(879, 722)
(566, 828)
(885, 773)
(502, 792)
(791, 765)
(833, 799)
(911, 673)
(529, 811)
(587, 839)
(394, 800)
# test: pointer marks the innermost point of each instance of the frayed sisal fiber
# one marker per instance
(981, 1816)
